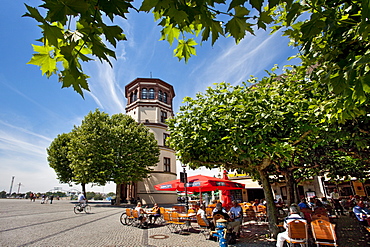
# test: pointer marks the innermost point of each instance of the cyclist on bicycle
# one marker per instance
(82, 199)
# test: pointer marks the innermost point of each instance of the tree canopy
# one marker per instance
(265, 129)
(333, 35)
(104, 149)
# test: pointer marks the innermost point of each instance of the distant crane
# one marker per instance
(11, 186)
(19, 186)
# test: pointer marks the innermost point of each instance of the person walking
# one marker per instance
(51, 197)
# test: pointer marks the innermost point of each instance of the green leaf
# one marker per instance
(185, 49)
(257, 4)
(237, 27)
(59, 10)
(34, 13)
(147, 5)
(52, 33)
(170, 33)
(44, 60)
(117, 7)
(235, 3)
(312, 28)
(113, 34)
(292, 12)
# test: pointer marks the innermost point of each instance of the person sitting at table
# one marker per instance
(362, 213)
(303, 204)
(141, 213)
(221, 211)
(203, 215)
(157, 212)
(256, 202)
(236, 215)
(294, 215)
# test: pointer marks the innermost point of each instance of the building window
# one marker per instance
(165, 98)
(131, 98)
(151, 93)
(160, 95)
(163, 116)
(144, 93)
(167, 164)
(165, 136)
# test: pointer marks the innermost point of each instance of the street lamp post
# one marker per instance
(184, 179)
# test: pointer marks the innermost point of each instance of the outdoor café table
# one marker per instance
(187, 218)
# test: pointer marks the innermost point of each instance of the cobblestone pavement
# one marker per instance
(25, 223)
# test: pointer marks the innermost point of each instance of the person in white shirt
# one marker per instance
(81, 199)
(294, 215)
(236, 215)
(335, 198)
(141, 212)
(201, 211)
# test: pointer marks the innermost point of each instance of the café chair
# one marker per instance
(297, 233)
(168, 221)
(176, 223)
(203, 227)
(323, 233)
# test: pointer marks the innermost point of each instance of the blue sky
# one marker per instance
(34, 109)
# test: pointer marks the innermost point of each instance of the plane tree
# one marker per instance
(342, 152)
(253, 128)
(58, 158)
(102, 149)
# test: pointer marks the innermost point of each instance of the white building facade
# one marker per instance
(149, 101)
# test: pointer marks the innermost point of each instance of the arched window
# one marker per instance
(144, 93)
(131, 97)
(160, 95)
(165, 97)
(151, 93)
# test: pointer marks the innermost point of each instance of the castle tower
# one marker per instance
(149, 101)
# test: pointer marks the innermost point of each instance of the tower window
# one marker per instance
(131, 97)
(165, 97)
(165, 136)
(163, 116)
(167, 164)
(160, 95)
(144, 93)
(151, 93)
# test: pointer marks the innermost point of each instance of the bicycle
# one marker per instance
(127, 218)
(79, 208)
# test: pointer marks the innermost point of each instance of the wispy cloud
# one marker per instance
(23, 142)
(236, 63)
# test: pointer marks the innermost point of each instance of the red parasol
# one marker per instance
(199, 183)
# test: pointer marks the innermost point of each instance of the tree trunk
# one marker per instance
(83, 186)
(297, 199)
(290, 186)
(271, 208)
(118, 194)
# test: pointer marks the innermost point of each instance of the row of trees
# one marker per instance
(282, 125)
(104, 148)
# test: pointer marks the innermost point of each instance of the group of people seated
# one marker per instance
(234, 217)
(353, 205)
(142, 213)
